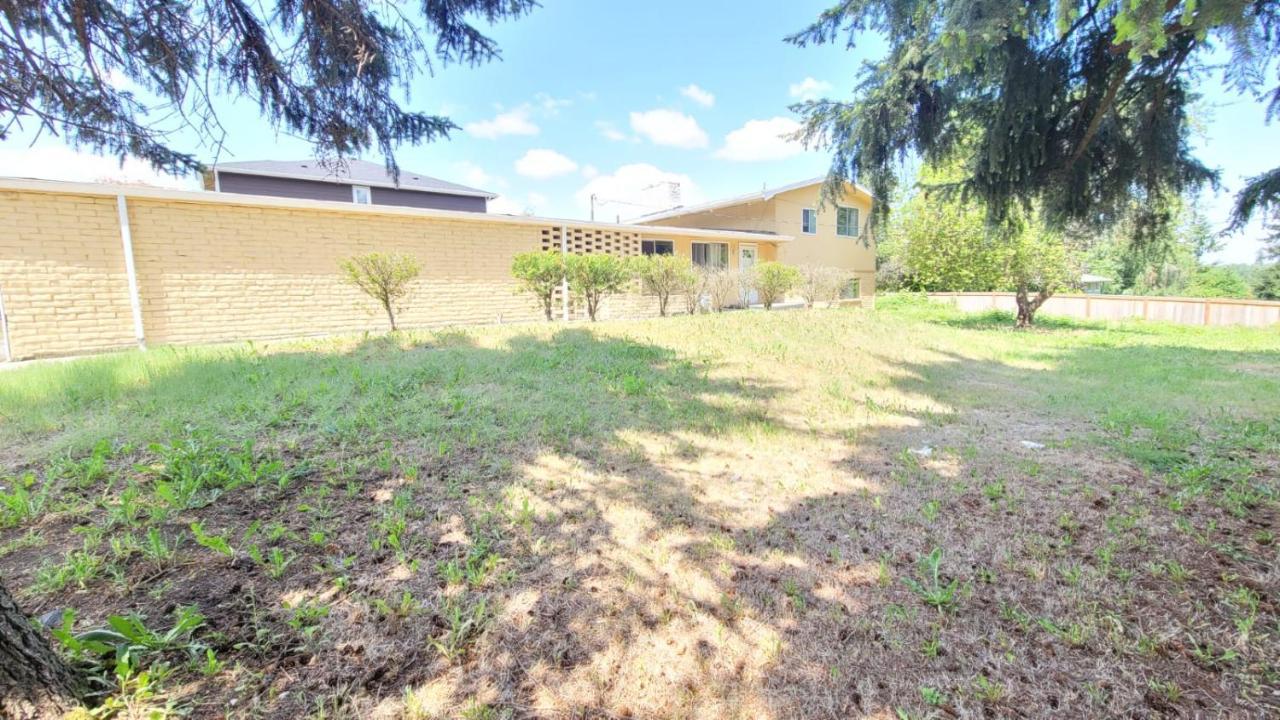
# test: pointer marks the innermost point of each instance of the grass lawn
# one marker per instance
(899, 513)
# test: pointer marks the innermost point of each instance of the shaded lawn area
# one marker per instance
(823, 514)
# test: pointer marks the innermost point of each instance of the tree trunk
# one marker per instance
(1027, 306)
(391, 316)
(34, 681)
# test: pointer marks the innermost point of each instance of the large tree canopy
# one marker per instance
(1078, 107)
(327, 70)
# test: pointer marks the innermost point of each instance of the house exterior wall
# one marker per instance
(781, 214)
(232, 182)
(428, 200)
(225, 270)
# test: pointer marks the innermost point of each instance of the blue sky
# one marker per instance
(621, 99)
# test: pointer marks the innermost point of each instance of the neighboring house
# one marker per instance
(833, 235)
(359, 182)
(1093, 284)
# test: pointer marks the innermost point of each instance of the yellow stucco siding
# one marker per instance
(781, 214)
(824, 247)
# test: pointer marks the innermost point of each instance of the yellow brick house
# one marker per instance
(833, 235)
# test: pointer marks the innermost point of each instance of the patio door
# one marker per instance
(747, 256)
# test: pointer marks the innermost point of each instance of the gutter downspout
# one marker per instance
(126, 238)
(564, 281)
(4, 328)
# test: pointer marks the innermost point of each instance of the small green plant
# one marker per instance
(463, 623)
(216, 543)
(157, 549)
(930, 588)
(933, 696)
(540, 274)
(385, 277)
(277, 562)
(20, 504)
(595, 277)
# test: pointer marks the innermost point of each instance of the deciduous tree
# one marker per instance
(385, 277)
(596, 276)
(663, 276)
(539, 273)
(1073, 108)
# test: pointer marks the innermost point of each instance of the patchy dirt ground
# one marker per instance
(837, 514)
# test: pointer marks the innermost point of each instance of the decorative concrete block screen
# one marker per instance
(231, 268)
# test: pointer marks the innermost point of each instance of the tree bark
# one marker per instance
(391, 315)
(34, 681)
(1027, 306)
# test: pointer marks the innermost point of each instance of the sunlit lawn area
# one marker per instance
(905, 512)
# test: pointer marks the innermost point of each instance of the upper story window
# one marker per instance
(847, 221)
(711, 255)
(808, 221)
(657, 247)
(360, 195)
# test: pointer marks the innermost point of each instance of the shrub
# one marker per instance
(385, 277)
(663, 275)
(722, 287)
(539, 274)
(821, 284)
(692, 288)
(595, 277)
(773, 280)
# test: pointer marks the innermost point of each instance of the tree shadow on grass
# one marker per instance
(637, 533)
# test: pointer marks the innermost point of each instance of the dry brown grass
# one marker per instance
(693, 518)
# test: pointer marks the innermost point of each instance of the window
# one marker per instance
(657, 247)
(847, 222)
(711, 255)
(808, 221)
(360, 195)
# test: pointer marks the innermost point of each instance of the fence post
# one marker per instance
(126, 238)
(564, 281)
(4, 327)
(1088, 308)
(1207, 307)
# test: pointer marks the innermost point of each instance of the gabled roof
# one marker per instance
(759, 196)
(356, 172)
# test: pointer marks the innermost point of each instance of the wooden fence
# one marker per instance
(1187, 311)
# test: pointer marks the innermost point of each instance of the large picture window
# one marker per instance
(847, 222)
(657, 247)
(711, 255)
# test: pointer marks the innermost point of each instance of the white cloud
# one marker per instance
(56, 162)
(762, 140)
(610, 132)
(537, 201)
(542, 163)
(512, 122)
(810, 89)
(551, 105)
(698, 95)
(634, 190)
(531, 204)
(469, 173)
(590, 171)
(669, 127)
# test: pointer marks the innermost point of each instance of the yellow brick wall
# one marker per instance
(62, 274)
(228, 271)
(218, 272)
